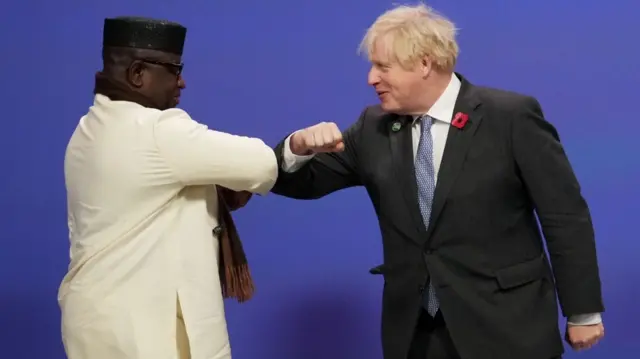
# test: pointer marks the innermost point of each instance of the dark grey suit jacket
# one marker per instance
(483, 249)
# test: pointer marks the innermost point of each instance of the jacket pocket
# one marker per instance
(522, 273)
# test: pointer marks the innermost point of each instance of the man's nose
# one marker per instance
(181, 84)
(373, 77)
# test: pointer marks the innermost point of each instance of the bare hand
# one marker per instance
(235, 200)
(323, 137)
(582, 337)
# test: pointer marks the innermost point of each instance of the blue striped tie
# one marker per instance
(425, 178)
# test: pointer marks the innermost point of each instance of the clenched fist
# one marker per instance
(582, 337)
(323, 137)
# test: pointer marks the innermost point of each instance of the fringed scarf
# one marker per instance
(233, 268)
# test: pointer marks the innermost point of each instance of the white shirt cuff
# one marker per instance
(585, 319)
(292, 162)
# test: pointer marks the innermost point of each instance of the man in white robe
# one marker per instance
(141, 177)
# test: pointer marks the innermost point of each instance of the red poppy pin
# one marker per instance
(460, 119)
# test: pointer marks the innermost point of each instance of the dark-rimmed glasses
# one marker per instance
(175, 68)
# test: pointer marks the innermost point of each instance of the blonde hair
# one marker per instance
(410, 33)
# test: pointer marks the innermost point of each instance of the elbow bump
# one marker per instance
(264, 168)
(269, 165)
(261, 162)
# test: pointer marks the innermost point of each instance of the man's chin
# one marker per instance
(389, 107)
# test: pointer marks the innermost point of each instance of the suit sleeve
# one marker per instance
(197, 155)
(313, 177)
(563, 212)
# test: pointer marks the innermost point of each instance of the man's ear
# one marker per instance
(426, 66)
(135, 73)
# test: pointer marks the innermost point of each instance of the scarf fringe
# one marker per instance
(238, 283)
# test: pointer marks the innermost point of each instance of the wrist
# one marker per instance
(296, 148)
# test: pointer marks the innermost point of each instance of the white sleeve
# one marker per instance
(200, 156)
(585, 319)
(290, 161)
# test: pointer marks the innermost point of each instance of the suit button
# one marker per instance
(428, 251)
(421, 289)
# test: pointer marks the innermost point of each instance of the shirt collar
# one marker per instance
(442, 109)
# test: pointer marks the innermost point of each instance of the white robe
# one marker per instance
(141, 208)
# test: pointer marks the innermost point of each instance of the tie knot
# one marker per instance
(427, 121)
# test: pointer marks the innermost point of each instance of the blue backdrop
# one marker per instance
(264, 68)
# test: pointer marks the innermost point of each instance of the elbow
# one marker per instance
(265, 171)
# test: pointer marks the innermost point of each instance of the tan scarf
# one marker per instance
(235, 277)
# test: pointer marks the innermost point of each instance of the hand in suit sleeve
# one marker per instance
(290, 161)
(316, 175)
(562, 211)
(197, 155)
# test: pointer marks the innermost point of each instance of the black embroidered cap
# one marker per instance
(144, 33)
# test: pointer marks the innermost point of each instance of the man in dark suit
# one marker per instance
(457, 174)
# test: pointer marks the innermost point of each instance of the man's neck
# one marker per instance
(434, 88)
(117, 91)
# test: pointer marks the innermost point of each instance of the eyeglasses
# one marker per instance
(171, 66)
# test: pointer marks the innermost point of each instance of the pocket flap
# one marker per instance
(521, 273)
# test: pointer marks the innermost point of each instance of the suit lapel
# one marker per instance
(459, 141)
(401, 142)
